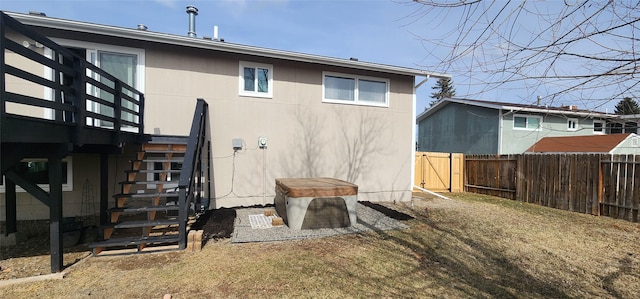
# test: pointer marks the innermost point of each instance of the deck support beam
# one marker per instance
(11, 207)
(104, 188)
(55, 211)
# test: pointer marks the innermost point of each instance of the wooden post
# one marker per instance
(104, 188)
(80, 88)
(55, 211)
(2, 71)
(11, 207)
(57, 92)
(450, 172)
(117, 112)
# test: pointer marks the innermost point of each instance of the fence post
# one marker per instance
(450, 172)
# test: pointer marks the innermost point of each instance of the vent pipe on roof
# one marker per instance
(192, 11)
(37, 13)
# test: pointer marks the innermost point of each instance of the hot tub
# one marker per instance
(314, 203)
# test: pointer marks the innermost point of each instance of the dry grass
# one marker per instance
(472, 246)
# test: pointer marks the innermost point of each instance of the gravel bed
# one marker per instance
(368, 220)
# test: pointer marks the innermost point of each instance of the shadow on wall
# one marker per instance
(342, 144)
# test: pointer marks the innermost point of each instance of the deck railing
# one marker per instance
(194, 170)
(42, 80)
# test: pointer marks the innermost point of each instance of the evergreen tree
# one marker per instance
(627, 106)
(444, 89)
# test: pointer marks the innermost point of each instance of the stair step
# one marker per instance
(165, 140)
(146, 195)
(147, 182)
(142, 223)
(144, 209)
(135, 241)
(153, 171)
(167, 151)
(160, 160)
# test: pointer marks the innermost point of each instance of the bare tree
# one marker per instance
(585, 52)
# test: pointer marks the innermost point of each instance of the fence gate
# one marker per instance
(439, 172)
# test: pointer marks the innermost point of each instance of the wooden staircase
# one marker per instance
(146, 210)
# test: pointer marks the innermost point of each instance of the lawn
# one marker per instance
(468, 247)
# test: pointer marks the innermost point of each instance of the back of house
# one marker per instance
(271, 113)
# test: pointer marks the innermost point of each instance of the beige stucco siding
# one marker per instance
(23, 87)
(369, 146)
(85, 191)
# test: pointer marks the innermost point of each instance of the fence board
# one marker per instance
(597, 184)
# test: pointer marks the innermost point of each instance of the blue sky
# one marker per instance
(380, 31)
(370, 30)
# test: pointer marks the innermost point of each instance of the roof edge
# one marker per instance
(151, 36)
(511, 108)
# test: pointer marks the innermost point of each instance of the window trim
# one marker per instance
(68, 187)
(602, 127)
(247, 64)
(575, 122)
(527, 116)
(357, 79)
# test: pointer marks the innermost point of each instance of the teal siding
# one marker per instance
(461, 129)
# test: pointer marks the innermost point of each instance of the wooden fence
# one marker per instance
(607, 185)
(439, 172)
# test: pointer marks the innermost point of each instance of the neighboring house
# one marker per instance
(318, 116)
(627, 143)
(483, 127)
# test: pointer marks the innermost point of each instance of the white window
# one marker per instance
(37, 171)
(359, 90)
(572, 124)
(598, 127)
(256, 80)
(527, 122)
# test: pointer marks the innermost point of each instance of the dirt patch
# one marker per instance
(216, 224)
(391, 213)
(471, 246)
(31, 257)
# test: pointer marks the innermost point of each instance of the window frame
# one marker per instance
(356, 91)
(255, 65)
(527, 116)
(575, 123)
(66, 187)
(603, 127)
